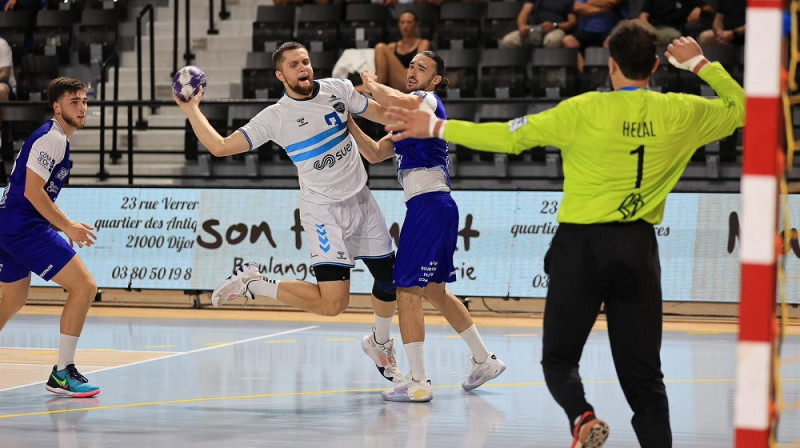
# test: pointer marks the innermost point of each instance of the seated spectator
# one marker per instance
(596, 18)
(8, 84)
(392, 59)
(670, 17)
(728, 27)
(551, 20)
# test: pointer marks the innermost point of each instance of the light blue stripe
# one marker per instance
(322, 149)
(315, 139)
(365, 106)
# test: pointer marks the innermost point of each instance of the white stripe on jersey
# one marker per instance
(314, 134)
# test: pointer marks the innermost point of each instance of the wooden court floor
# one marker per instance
(180, 377)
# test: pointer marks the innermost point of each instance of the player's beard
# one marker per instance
(73, 121)
(303, 90)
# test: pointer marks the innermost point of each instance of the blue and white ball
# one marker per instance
(187, 81)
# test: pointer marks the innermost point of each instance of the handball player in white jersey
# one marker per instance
(430, 230)
(340, 217)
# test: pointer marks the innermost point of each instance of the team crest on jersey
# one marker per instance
(301, 122)
(517, 123)
(339, 107)
(62, 173)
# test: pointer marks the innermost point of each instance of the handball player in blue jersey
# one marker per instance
(430, 229)
(28, 242)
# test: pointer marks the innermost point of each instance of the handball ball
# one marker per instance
(187, 81)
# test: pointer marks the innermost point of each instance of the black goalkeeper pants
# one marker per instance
(617, 265)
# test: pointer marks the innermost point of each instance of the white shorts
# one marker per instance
(342, 232)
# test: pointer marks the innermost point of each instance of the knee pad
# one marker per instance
(381, 269)
(331, 273)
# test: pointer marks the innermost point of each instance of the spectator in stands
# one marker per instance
(596, 19)
(22, 5)
(300, 2)
(8, 84)
(670, 17)
(392, 59)
(728, 27)
(551, 19)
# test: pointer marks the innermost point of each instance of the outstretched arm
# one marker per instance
(386, 95)
(373, 151)
(219, 146)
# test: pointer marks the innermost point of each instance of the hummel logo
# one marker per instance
(62, 383)
(301, 122)
(333, 98)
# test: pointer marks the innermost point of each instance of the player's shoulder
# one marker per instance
(49, 133)
(335, 83)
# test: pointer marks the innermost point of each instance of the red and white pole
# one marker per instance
(762, 141)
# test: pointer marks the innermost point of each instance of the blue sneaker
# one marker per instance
(70, 382)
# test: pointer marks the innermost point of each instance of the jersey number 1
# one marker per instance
(640, 165)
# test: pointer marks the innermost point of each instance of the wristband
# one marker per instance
(689, 64)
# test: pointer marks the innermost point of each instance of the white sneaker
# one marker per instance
(236, 285)
(383, 356)
(483, 372)
(410, 391)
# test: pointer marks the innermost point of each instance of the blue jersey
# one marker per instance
(424, 153)
(46, 153)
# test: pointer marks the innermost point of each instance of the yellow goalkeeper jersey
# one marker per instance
(622, 151)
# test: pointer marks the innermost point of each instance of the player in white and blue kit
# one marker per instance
(28, 242)
(430, 230)
(340, 216)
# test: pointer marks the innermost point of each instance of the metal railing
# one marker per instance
(141, 123)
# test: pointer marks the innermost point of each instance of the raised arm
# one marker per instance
(218, 145)
(386, 95)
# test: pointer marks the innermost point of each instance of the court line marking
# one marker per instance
(313, 393)
(172, 355)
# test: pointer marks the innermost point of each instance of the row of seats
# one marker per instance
(507, 73)
(354, 25)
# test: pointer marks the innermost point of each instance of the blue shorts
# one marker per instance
(39, 250)
(427, 241)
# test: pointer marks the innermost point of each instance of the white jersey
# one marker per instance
(314, 134)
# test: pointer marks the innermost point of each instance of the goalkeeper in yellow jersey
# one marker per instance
(623, 152)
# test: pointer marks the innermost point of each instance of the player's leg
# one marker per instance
(14, 295)
(634, 313)
(485, 365)
(571, 309)
(379, 345)
(55, 260)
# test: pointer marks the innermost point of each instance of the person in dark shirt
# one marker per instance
(728, 27)
(669, 17)
(543, 23)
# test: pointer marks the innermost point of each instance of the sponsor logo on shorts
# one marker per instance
(49, 268)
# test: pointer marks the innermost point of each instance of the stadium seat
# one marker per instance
(258, 77)
(323, 63)
(98, 26)
(364, 25)
(53, 33)
(498, 112)
(217, 115)
(461, 69)
(499, 20)
(14, 26)
(18, 124)
(273, 26)
(318, 26)
(595, 70)
(554, 72)
(38, 71)
(466, 112)
(460, 25)
(503, 72)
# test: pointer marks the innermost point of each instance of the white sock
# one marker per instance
(264, 287)
(66, 351)
(382, 327)
(415, 352)
(475, 344)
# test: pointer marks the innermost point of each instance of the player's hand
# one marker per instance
(686, 54)
(193, 101)
(410, 123)
(367, 77)
(80, 233)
